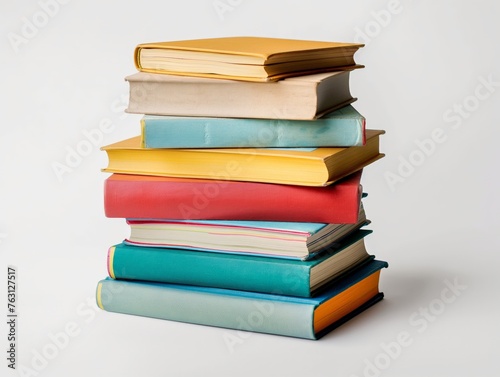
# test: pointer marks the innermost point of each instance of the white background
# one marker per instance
(436, 223)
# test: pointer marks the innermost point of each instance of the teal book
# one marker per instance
(309, 318)
(341, 128)
(241, 272)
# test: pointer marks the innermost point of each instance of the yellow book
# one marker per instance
(303, 166)
(245, 58)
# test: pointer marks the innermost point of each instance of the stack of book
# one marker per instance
(243, 191)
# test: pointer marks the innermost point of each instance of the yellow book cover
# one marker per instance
(245, 58)
(295, 166)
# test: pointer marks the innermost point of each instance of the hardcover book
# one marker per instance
(254, 273)
(282, 239)
(309, 318)
(305, 97)
(244, 58)
(342, 128)
(150, 197)
(306, 167)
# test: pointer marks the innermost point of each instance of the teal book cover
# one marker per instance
(286, 276)
(341, 128)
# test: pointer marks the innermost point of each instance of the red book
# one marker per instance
(148, 197)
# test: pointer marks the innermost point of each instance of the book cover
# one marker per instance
(309, 318)
(342, 128)
(303, 97)
(306, 167)
(150, 197)
(244, 58)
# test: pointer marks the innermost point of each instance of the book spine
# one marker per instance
(195, 132)
(231, 200)
(210, 269)
(221, 308)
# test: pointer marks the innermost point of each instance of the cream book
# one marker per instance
(295, 98)
(293, 166)
(245, 58)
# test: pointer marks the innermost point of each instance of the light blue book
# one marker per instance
(341, 128)
(302, 317)
(298, 240)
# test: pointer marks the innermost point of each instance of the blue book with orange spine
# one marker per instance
(309, 318)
